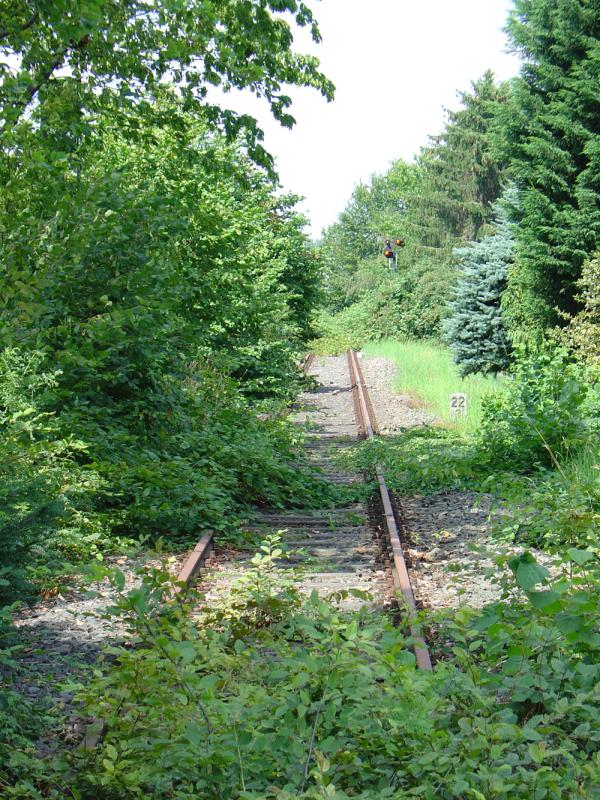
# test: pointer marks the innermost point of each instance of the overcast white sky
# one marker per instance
(396, 65)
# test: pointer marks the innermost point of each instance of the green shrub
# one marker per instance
(554, 508)
(77, 481)
(582, 334)
(422, 460)
(314, 703)
(541, 417)
(159, 293)
(40, 481)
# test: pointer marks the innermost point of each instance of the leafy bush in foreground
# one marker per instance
(151, 299)
(315, 703)
(71, 496)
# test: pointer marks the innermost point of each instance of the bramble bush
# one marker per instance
(551, 510)
(153, 299)
(65, 498)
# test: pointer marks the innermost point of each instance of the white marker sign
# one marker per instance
(458, 404)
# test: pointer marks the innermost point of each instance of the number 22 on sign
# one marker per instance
(458, 404)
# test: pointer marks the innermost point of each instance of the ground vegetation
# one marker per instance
(157, 291)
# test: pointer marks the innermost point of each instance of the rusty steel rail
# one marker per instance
(367, 426)
(360, 380)
(308, 362)
(196, 558)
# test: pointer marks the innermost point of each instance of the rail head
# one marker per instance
(196, 559)
(368, 424)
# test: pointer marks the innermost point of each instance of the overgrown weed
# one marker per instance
(427, 372)
(319, 703)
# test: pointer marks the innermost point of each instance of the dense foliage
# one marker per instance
(112, 55)
(582, 333)
(154, 286)
(541, 417)
(314, 704)
(550, 133)
(156, 291)
(137, 295)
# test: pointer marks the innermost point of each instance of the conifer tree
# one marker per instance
(551, 138)
(474, 329)
(462, 174)
(460, 178)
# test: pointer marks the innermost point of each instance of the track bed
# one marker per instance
(328, 549)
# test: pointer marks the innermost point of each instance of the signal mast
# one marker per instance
(390, 253)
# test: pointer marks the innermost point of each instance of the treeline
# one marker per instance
(154, 286)
(500, 213)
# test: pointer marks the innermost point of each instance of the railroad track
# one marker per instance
(201, 552)
(339, 541)
(367, 426)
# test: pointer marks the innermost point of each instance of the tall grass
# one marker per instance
(582, 469)
(427, 372)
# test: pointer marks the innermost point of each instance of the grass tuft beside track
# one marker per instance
(428, 373)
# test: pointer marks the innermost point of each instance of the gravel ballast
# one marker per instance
(395, 412)
(330, 550)
(447, 534)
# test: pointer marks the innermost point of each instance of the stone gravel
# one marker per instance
(450, 549)
(447, 534)
(328, 550)
(395, 412)
(64, 636)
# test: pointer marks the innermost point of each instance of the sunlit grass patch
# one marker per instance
(428, 374)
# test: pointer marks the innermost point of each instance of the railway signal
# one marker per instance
(390, 253)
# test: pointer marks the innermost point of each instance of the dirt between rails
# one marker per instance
(327, 550)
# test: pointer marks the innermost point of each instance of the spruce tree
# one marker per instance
(461, 172)
(474, 329)
(551, 138)
(460, 178)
